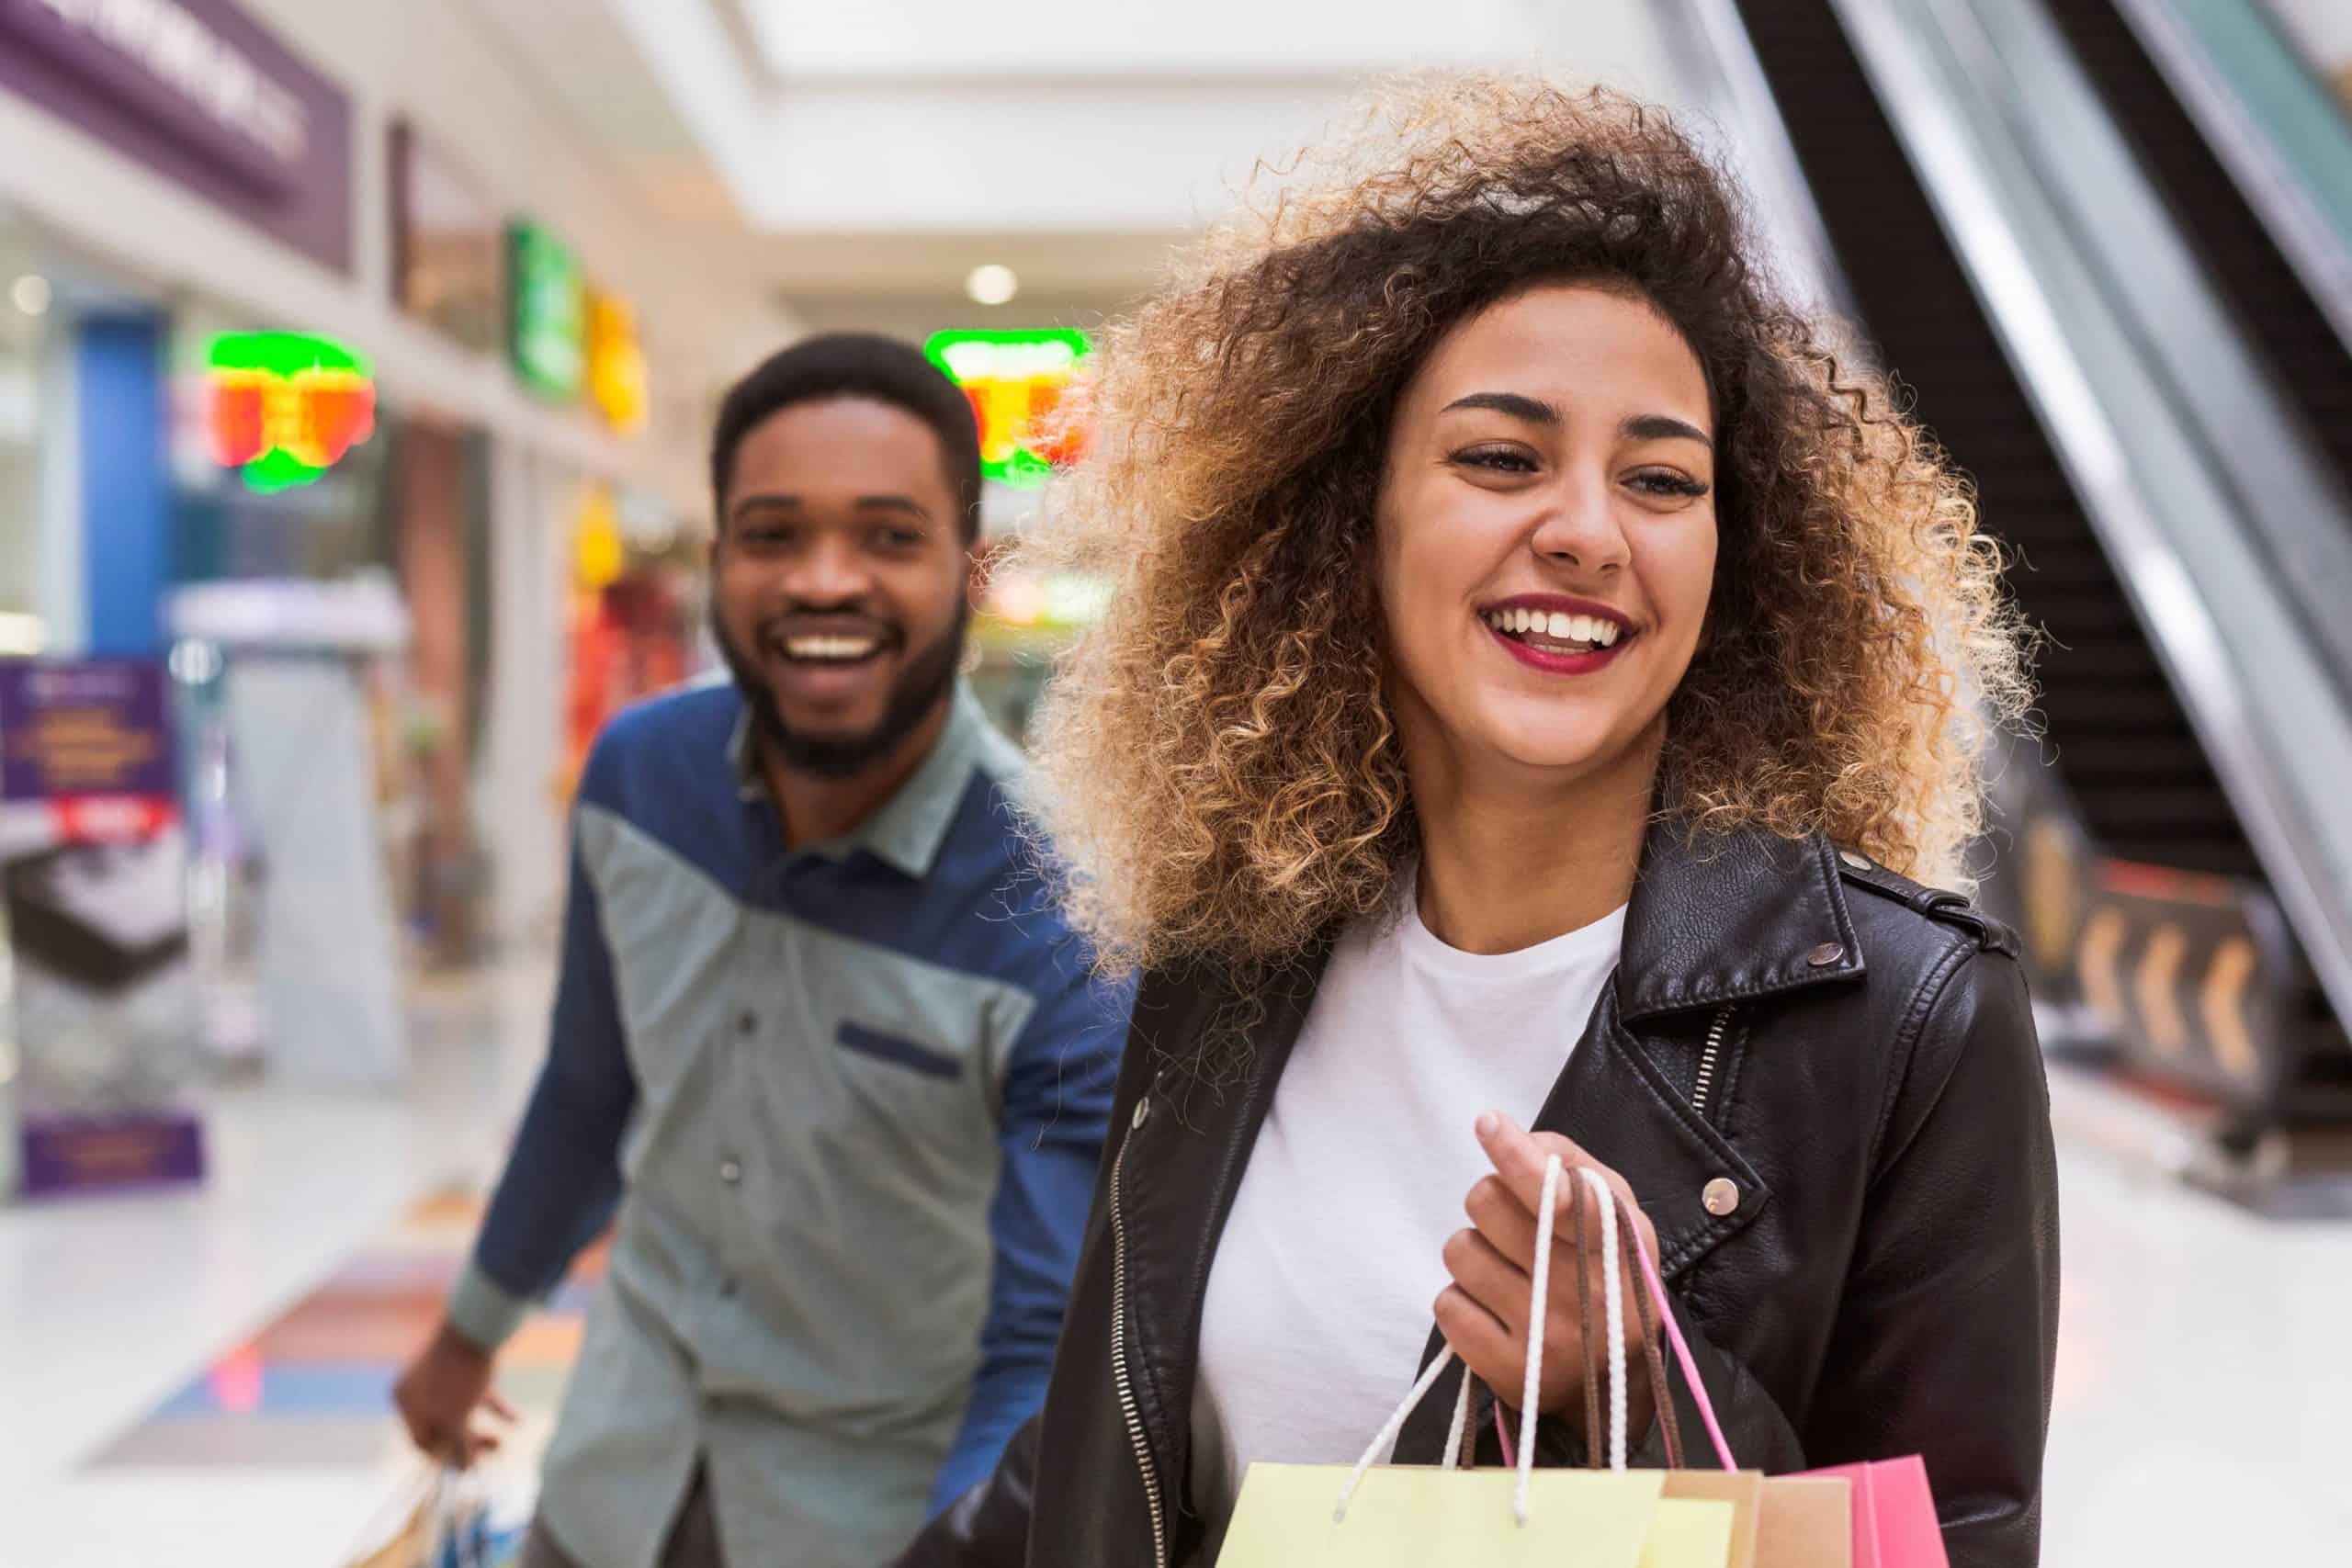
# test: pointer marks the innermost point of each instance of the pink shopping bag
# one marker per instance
(1894, 1514)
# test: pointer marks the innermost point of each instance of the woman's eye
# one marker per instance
(1498, 459)
(1666, 483)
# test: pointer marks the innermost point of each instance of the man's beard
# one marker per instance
(926, 679)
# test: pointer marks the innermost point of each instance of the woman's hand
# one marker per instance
(1484, 1312)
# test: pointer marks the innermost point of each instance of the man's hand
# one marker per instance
(438, 1394)
(1484, 1312)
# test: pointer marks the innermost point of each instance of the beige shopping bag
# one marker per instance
(1777, 1521)
(1741, 1490)
(1806, 1521)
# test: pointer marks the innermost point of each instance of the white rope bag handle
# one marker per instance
(1530, 1391)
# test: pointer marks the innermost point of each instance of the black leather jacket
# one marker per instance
(1854, 1054)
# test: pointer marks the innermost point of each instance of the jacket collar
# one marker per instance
(1727, 917)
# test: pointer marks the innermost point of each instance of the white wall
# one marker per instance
(523, 732)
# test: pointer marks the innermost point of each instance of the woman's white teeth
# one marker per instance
(1558, 627)
(829, 646)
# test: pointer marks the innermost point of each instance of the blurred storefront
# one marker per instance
(637, 591)
(338, 456)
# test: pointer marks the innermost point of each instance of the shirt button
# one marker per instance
(1143, 1113)
(729, 1172)
(1822, 957)
(1721, 1197)
(746, 1022)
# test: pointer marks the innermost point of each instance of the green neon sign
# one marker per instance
(1017, 382)
(550, 337)
(285, 407)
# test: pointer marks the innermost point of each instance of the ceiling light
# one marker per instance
(991, 285)
(30, 293)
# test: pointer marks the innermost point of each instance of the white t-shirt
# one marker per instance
(1320, 1299)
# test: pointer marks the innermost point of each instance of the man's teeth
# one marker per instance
(1557, 627)
(829, 647)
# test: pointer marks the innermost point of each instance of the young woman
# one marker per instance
(1543, 687)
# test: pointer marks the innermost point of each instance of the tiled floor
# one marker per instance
(308, 1389)
(2204, 1378)
(109, 1307)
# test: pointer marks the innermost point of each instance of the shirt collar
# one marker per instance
(905, 832)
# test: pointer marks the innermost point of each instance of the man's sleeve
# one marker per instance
(1056, 1107)
(563, 1179)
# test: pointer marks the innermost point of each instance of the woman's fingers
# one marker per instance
(1485, 1343)
(1519, 1157)
(1491, 1280)
(1503, 1220)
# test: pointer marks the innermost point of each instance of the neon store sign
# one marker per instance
(285, 407)
(1020, 384)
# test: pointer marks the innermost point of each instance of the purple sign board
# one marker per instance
(79, 727)
(98, 1154)
(199, 93)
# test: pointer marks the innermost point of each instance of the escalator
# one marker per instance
(2097, 321)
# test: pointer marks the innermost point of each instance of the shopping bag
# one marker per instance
(1412, 1515)
(1292, 1516)
(1894, 1523)
(439, 1519)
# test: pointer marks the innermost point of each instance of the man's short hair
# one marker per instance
(854, 364)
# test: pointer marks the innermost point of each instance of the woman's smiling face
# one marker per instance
(1546, 531)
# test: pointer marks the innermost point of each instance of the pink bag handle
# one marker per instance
(1682, 1349)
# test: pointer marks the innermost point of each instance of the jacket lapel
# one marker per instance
(1719, 922)
(1730, 918)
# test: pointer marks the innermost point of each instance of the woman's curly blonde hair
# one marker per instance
(1217, 768)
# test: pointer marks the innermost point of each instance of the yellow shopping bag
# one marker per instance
(1292, 1516)
(1411, 1516)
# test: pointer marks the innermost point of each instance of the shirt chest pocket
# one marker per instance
(912, 1051)
(920, 1090)
(914, 1056)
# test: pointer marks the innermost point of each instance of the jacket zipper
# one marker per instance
(1706, 1084)
(1128, 1409)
